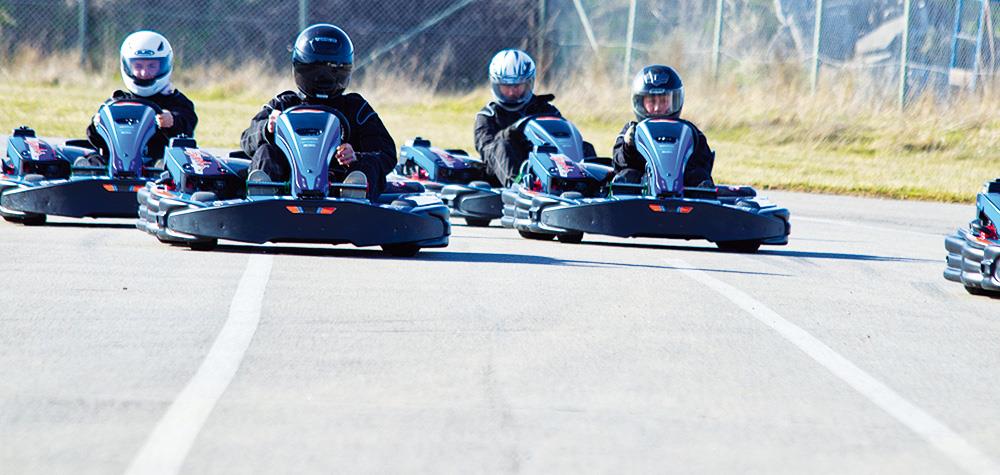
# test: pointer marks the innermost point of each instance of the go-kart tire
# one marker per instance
(536, 236)
(572, 238)
(29, 220)
(747, 247)
(975, 290)
(401, 250)
(203, 245)
(478, 222)
(204, 196)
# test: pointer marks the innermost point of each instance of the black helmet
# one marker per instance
(657, 80)
(323, 58)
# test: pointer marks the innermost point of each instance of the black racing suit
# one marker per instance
(501, 146)
(374, 149)
(630, 166)
(171, 100)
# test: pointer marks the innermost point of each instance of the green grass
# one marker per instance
(804, 143)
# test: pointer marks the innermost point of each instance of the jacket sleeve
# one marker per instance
(699, 167)
(256, 134)
(625, 155)
(371, 141)
(185, 119)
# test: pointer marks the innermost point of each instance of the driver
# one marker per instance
(499, 141)
(146, 63)
(322, 61)
(657, 93)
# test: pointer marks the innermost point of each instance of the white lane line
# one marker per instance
(171, 440)
(837, 222)
(933, 431)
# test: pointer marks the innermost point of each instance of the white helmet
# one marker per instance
(512, 66)
(147, 60)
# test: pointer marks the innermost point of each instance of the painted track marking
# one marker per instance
(171, 440)
(947, 441)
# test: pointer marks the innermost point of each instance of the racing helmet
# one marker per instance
(508, 67)
(657, 80)
(322, 58)
(146, 62)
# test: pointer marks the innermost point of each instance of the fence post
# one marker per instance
(717, 38)
(817, 36)
(303, 14)
(540, 40)
(629, 36)
(81, 30)
(904, 55)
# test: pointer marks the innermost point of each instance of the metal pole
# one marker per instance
(540, 39)
(976, 63)
(817, 36)
(585, 21)
(81, 29)
(904, 56)
(303, 14)
(956, 31)
(629, 37)
(717, 38)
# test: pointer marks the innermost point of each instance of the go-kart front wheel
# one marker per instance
(739, 246)
(478, 222)
(536, 236)
(401, 250)
(27, 220)
(572, 238)
(203, 244)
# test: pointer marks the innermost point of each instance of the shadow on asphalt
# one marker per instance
(768, 252)
(435, 255)
(87, 224)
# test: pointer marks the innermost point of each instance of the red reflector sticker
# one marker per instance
(684, 209)
(294, 209)
(109, 187)
(657, 208)
(327, 210)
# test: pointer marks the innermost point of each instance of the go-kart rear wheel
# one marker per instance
(401, 250)
(975, 290)
(478, 222)
(28, 220)
(536, 236)
(739, 246)
(203, 244)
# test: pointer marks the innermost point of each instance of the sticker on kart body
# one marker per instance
(121, 188)
(39, 150)
(199, 160)
(566, 167)
(448, 158)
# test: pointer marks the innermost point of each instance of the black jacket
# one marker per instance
(368, 136)
(500, 146)
(179, 106)
(699, 166)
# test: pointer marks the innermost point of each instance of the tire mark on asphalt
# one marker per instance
(171, 440)
(943, 438)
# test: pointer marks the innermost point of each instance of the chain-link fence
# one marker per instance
(889, 49)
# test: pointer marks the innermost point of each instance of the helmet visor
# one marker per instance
(661, 103)
(145, 71)
(513, 92)
(322, 78)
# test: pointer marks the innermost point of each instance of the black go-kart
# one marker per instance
(455, 177)
(974, 251)
(40, 180)
(560, 194)
(202, 198)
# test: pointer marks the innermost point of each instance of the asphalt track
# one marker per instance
(843, 352)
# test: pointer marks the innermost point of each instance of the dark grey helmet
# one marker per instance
(323, 58)
(657, 80)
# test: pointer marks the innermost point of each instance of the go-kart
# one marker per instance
(40, 180)
(974, 251)
(200, 199)
(455, 177)
(561, 194)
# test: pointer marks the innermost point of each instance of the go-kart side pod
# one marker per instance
(77, 198)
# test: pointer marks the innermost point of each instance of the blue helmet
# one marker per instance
(322, 58)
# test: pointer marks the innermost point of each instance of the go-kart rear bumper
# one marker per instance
(972, 261)
(76, 198)
(332, 221)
